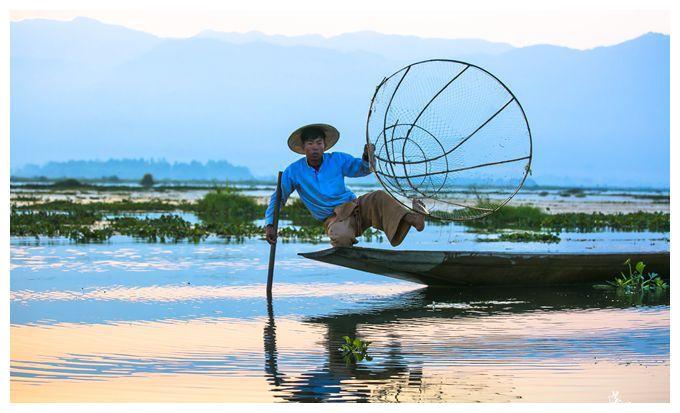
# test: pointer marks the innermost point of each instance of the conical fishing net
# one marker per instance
(450, 134)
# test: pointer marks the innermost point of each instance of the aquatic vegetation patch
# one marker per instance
(637, 281)
(658, 199)
(354, 350)
(298, 213)
(68, 183)
(532, 218)
(82, 185)
(523, 237)
(85, 234)
(125, 205)
(371, 233)
(306, 233)
(76, 226)
(224, 212)
(576, 192)
(227, 205)
(166, 227)
(88, 226)
(222, 205)
(227, 213)
(25, 198)
(233, 231)
(654, 198)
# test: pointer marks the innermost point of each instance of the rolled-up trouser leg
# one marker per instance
(342, 232)
(379, 210)
(342, 226)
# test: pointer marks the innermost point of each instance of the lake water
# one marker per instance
(134, 321)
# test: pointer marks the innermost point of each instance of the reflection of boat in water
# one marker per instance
(441, 268)
(399, 371)
(487, 302)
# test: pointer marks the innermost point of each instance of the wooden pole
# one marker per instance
(272, 248)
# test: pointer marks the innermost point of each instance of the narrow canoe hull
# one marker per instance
(461, 268)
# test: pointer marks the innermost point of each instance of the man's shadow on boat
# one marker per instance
(337, 380)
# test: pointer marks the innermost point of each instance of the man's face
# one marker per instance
(314, 149)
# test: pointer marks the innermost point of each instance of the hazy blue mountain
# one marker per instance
(598, 117)
(49, 53)
(396, 47)
(136, 168)
(81, 40)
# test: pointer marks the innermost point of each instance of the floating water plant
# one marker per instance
(637, 281)
(533, 218)
(86, 225)
(68, 183)
(577, 192)
(298, 213)
(523, 237)
(125, 205)
(166, 227)
(354, 350)
(228, 205)
(229, 214)
(529, 237)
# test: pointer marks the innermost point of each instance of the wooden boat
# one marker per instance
(465, 268)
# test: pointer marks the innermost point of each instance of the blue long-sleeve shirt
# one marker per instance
(321, 190)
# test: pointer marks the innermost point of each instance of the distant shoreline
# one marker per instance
(207, 183)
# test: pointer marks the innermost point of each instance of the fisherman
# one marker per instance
(319, 178)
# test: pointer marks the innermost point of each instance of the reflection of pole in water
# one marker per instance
(327, 382)
(270, 353)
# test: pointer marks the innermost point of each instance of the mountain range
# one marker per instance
(83, 89)
(137, 168)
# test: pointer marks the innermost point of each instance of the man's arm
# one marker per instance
(287, 188)
(355, 167)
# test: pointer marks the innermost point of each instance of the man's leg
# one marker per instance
(379, 210)
(342, 232)
(417, 220)
(342, 226)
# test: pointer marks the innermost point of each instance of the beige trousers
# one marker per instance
(375, 209)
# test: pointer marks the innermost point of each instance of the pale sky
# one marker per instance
(576, 23)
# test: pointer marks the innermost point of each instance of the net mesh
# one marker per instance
(451, 135)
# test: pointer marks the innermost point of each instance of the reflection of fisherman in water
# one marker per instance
(392, 373)
(331, 379)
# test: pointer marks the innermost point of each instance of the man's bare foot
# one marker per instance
(417, 221)
(418, 206)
